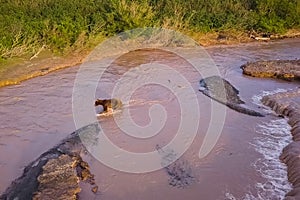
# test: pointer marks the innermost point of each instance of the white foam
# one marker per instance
(274, 135)
(109, 112)
(229, 196)
(256, 99)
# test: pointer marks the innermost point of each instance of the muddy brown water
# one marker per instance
(37, 114)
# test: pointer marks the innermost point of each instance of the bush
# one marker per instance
(61, 25)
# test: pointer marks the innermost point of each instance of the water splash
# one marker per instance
(256, 99)
(272, 137)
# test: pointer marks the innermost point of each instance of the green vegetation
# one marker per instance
(68, 25)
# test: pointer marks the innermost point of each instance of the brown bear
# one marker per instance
(111, 104)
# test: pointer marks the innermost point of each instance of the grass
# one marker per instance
(64, 26)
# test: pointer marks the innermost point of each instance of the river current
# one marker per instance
(244, 163)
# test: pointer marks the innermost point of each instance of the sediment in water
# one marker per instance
(56, 174)
(288, 104)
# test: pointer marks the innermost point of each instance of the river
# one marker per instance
(244, 164)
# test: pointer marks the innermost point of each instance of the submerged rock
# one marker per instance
(223, 92)
(56, 173)
(179, 171)
(282, 69)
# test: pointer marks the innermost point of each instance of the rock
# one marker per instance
(58, 180)
(223, 92)
(56, 173)
(262, 39)
(95, 189)
(179, 171)
(288, 104)
(282, 69)
(220, 89)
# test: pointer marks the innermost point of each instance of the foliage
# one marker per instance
(64, 25)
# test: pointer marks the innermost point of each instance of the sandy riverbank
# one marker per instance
(16, 70)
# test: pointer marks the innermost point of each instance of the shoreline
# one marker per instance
(58, 173)
(288, 105)
(27, 69)
(63, 71)
(285, 104)
(15, 71)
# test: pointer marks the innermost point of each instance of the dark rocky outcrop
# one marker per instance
(283, 69)
(58, 179)
(56, 173)
(288, 104)
(179, 171)
(223, 92)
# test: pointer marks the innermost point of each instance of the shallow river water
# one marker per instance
(244, 164)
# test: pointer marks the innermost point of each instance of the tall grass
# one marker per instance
(64, 25)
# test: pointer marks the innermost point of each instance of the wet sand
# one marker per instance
(24, 69)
